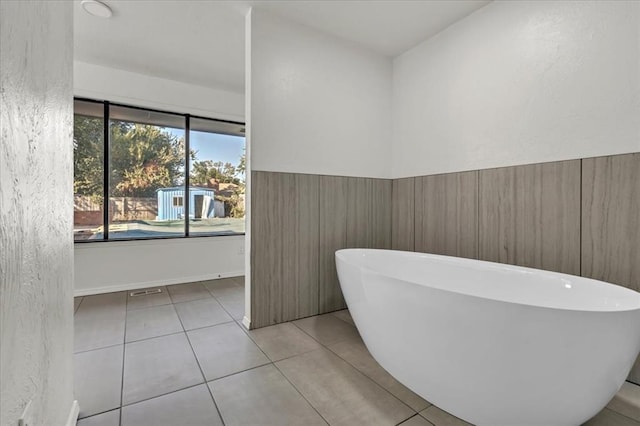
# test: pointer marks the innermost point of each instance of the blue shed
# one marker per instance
(171, 203)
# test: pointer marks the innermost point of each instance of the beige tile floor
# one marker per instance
(182, 358)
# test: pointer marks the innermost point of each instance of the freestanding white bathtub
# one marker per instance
(493, 344)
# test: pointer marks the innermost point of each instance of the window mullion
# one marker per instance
(106, 156)
(187, 165)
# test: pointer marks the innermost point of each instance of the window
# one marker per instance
(88, 170)
(135, 185)
(216, 176)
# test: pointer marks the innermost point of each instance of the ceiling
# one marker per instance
(202, 42)
(389, 27)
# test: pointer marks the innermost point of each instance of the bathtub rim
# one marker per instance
(599, 283)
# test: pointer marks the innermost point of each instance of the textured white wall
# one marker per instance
(318, 104)
(113, 266)
(115, 85)
(247, 105)
(36, 211)
(520, 82)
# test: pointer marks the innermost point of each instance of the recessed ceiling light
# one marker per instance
(97, 8)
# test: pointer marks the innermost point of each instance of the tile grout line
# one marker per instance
(149, 338)
(239, 372)
(211, 296)
(427, 420)
(341, 319)
(142, 308)
(162, 394)
(94, 349)
(204, 377)
(321, 344)
(299, 392)
(221, 304)
(376, 383)
(415, 415)
(124, 352)
(193, 300)
(619, 413)
(326, 347)
(160, 335)
(148, 307)
(246, 332)
(205, 382)
(98, 414)
(293, 356)
(356, 369)
(283, 375)
(97, 349)
(207, 326)
(271, 362)
(301, 329)
(265, 354)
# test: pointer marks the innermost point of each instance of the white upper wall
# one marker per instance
(116, 85)
(517, 83)
(317, 104)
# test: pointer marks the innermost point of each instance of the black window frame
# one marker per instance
(187, 162)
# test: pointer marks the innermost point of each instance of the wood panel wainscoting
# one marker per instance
(284, 247)
(580, 217)
(298, 221)
(530, 216)
(446, 216)
(611, 223)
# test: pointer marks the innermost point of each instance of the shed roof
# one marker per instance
(181, 188)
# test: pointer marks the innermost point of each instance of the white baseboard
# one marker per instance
(73, 414)
(145, 284)
(246, 323)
